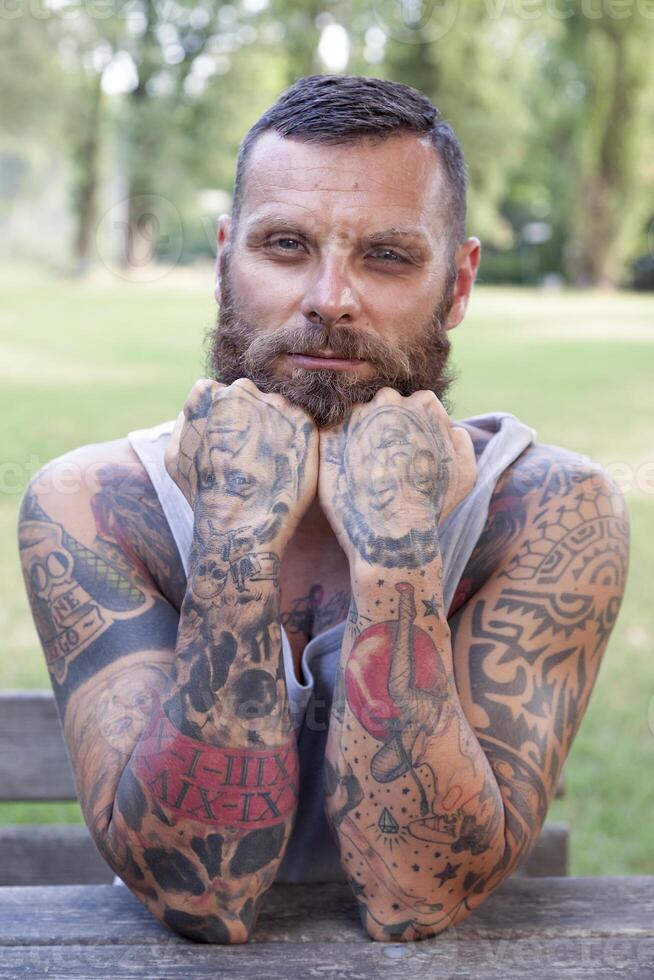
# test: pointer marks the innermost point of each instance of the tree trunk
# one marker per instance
(86, 155)
(606, 179)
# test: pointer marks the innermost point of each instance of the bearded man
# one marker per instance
(356, 637)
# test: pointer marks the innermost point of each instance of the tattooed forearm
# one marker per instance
(529, 623)
(244, 788)
(214, 777)
(410, 795)
(178, 726)
(528, 646)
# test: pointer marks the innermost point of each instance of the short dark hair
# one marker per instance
(337, 109)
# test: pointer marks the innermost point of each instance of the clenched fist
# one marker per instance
(246, 461)
(390, 473)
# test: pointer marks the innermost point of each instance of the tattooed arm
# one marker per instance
(178, 727)
(410, 794)
(529, 643)
(431, 784)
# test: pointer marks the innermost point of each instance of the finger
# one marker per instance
(331, 444)
(387, 396)
(245, 383)
(198, 402)
(430, 400)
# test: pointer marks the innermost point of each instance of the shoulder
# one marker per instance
(545, 475)
(546, 505)
(102, 492)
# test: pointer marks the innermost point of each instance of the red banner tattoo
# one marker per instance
(238, 788)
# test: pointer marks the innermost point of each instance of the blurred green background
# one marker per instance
(121, 119)
(119, 130)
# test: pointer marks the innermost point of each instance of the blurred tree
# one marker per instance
(32, 83)
(301, 35)
(158, 56)
(30, 74)
(555, 114)
(479, 70)
(609, 186)
(85, 152)
(171, 49)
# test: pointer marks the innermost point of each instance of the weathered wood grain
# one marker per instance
(34, 764)
(433, 959)
(56, 854)
(545, 908)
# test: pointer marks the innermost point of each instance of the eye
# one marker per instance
(140, 700)
(239, 484)
(280, 242)
(207, 478)
(393, 437)
(395, 256)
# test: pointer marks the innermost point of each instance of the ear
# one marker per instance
(467, 262)
(223, 232)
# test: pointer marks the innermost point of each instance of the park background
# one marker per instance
(119, 127)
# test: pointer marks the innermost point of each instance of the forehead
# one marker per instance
(394, 182)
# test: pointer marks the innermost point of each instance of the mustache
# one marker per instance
(394, 363)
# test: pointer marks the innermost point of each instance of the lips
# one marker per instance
(325, 354)
(329, 361)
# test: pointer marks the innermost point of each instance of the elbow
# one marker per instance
(390, 917)
(169, 885)
(206, 928)
(407, 925)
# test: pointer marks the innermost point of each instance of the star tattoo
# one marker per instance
(449, 871)
(432, 606)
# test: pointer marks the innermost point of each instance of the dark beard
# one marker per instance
(235, 349)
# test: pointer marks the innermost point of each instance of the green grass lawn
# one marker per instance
(87, 362)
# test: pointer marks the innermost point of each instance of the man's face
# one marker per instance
(236, 459)
(125, 705)
(233, 454)
(392, 472)
(338, 278)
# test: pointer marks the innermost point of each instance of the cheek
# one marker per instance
(266, 292)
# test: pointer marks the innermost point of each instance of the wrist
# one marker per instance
(232, 569)
(364, 575)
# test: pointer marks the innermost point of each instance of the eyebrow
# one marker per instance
(280, 222)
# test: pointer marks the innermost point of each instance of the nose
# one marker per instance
(331, 298)
(381, 476)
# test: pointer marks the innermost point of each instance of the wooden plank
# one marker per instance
(55, 854)
(521, 908)
(431, 959)
(34, 764)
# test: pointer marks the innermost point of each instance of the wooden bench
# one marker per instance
(34, 766)
(543, 928)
